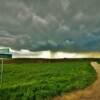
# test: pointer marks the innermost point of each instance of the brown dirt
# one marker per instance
(90, 93)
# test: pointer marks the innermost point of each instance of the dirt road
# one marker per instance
(90, 93)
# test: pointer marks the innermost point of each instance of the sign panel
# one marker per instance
(4, 50)
(5, 53)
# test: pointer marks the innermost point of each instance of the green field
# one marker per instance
(43, 80)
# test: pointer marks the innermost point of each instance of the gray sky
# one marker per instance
(50, 24)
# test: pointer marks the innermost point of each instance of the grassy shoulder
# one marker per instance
(37, 81)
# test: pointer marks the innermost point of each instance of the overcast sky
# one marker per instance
(71, 25)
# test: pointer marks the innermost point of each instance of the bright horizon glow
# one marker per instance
(52, 55)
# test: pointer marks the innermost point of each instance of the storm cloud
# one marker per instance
(72, 25)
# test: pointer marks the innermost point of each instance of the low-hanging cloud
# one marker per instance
(50, 24)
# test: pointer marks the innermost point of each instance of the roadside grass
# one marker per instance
(42, 81)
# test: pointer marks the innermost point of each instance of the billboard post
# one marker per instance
(4, 54)
(1, 70)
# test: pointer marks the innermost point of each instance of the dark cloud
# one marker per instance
(50, 24)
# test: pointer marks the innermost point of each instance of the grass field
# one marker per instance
(43, 80)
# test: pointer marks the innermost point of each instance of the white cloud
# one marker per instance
(39, 19)
(82, 27)
(51, 42)
(63, 28)
(65, 4)
(42, 43)
(51, 18)
(68, 42)
(79, 16)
